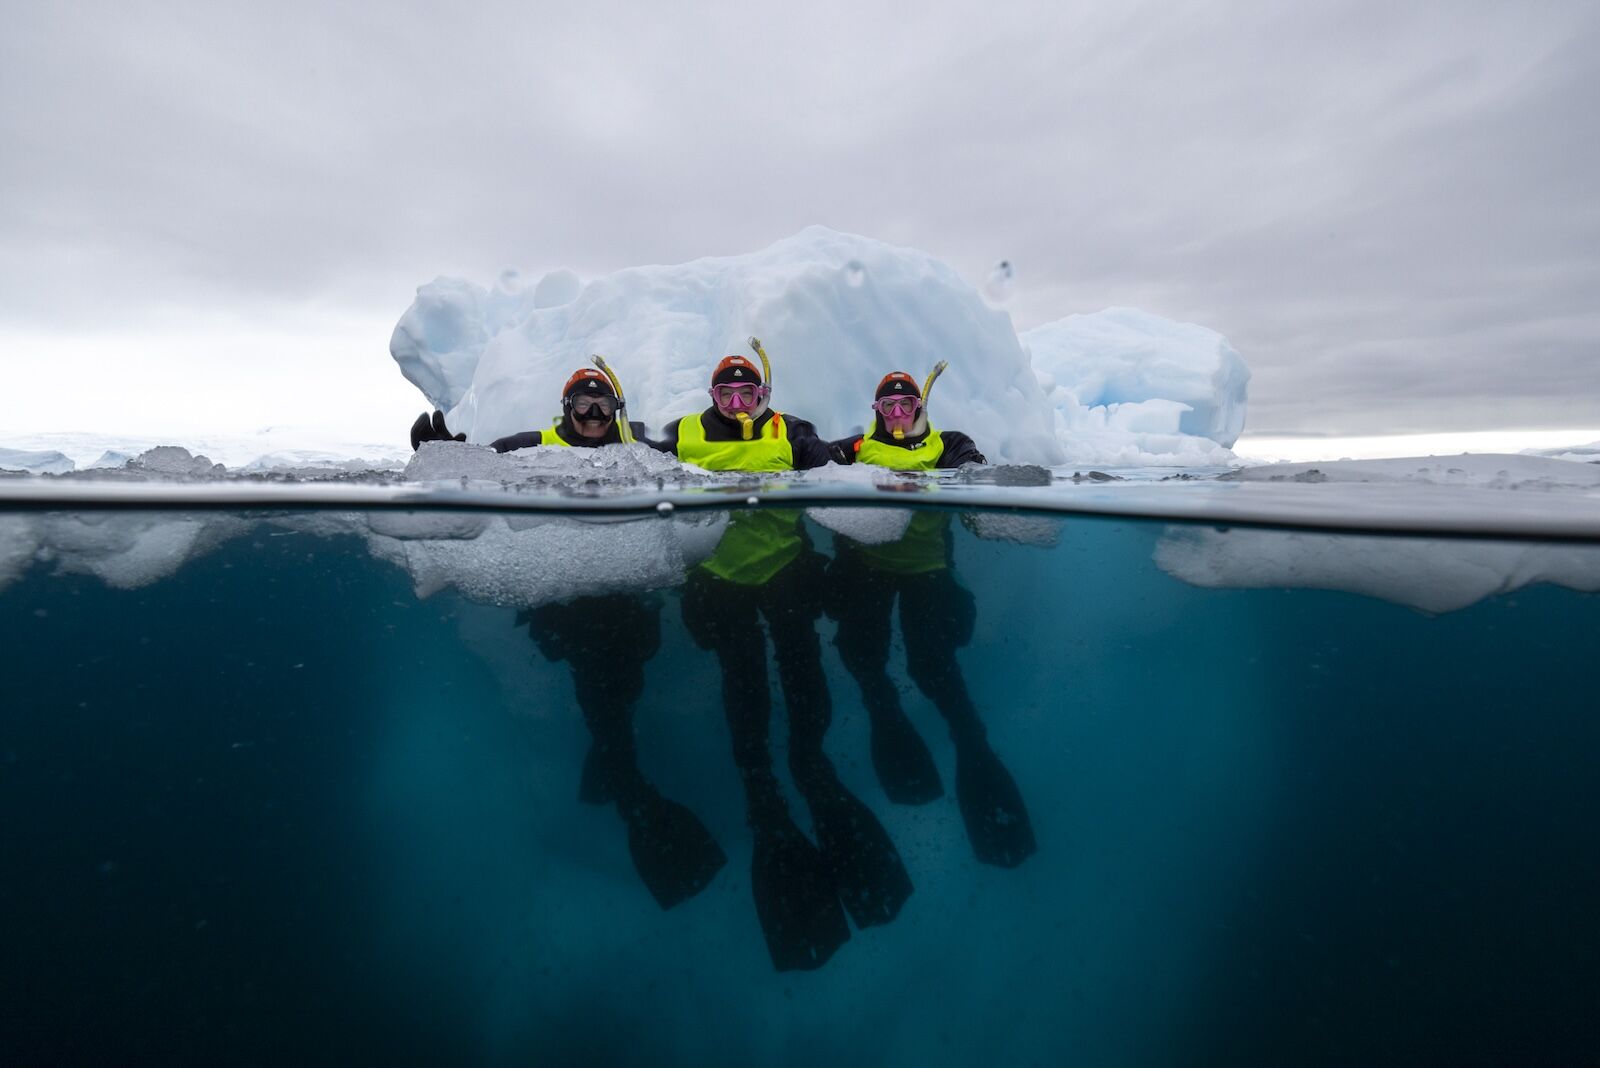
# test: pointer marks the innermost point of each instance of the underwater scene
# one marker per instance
(900, 786)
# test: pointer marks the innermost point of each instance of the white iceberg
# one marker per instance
(1122, 382)
(835, 312)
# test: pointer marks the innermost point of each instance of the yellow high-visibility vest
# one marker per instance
(900, 458)
(550, 437)
(758, 544)
(770, 451)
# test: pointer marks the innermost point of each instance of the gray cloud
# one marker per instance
(1389, 209)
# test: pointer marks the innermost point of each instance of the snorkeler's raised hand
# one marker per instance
(433, 428)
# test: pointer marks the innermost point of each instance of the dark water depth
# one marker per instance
(274, 806)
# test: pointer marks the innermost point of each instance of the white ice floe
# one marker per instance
(44, 462)
(1588, 454)
(1433, 575)
(525, 561)
(124, 550)
(835, 312)
(1039, 531)
(109, 458)
(869, 526)
(1490, 471)
(270, 448)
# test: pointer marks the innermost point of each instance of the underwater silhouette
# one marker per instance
(606, 641)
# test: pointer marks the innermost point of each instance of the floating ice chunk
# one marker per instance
(1042, 532)
(311, 462)
(556, 560)
(130, 550)
(436, 526)
(108, 459)
(1433, 575)
(173, 461)
(619, 465)
(37, 463)
(1488, 470)
(869, 526)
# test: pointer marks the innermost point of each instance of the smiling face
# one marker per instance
(591, 416)
(590, 404)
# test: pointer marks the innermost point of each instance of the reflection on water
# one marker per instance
(291, 786)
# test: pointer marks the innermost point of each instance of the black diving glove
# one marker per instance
(426, 429)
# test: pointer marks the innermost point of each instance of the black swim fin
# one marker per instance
(991, 806)
(795, 897)
(871, 879)
(901, 758)
(673, 853)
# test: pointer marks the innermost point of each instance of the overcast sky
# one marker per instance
(1392, 210)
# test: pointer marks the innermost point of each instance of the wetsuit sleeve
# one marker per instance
(959, 449)
(668, 442)
(843, 451)
(809, 450)
(641, 435)
(525, 440)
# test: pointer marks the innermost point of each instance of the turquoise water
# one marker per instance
(275, 806)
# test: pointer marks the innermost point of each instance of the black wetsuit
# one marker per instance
(936, 611)
(769, 572)
(606, 640)
(937, 615)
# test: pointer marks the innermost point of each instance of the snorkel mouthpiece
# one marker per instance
(898, 433)
(746, 427)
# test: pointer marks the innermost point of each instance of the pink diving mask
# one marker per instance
(897, 407)
(738, 398)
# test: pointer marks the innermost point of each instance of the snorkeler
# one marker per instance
(765, 569)
(936, 618)
(606, 641)
(590, 402)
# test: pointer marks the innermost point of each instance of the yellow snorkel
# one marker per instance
(624, 431)
(745, 425)
(933, 376)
